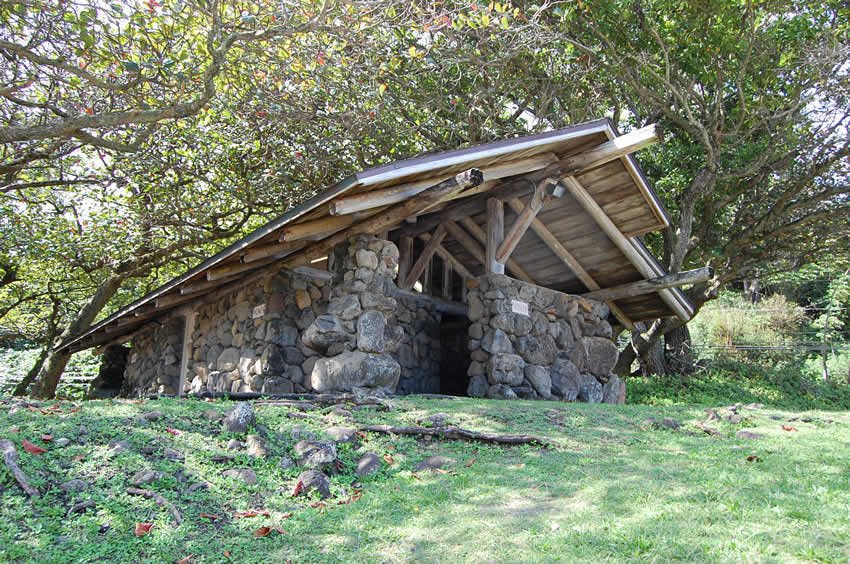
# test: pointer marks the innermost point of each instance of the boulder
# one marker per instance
(352, 369)
(614, 391)
(315, 454)
(145, 477)
(512, 323)
(496, 341)
(477, 387)
(341, 434)
(314, 481)
(73, 486)
(540, 380)
(246, 475)
(506, 369)
(434, 463)
(590, 389)
(366, 259)
(240, 418)
(370, 331)
(500, 391)
(566, 379)
(325, 331)
(346, 307)
(537, 350)
(256, 446)
(228, 359)
(277, 385)
(368, 464)
(596, 355)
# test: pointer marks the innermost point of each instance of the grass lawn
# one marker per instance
(616, 486)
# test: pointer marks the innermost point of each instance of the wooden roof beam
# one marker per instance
(641, 287)
(569, 260)
(611, 150)
(523, 220)
(584, 198)
(396, 214)
(424, 258)
(512, 265)
(395, 194)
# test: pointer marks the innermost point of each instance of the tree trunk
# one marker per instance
(21, 387)
(56, 360)
(678, 351)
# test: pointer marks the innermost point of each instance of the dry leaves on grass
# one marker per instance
(142, 529)
(253, 513)
(31, 448)
(210, 516)
(185, 560)
(265, 530)
(789, 428)
(388, 458)
(175, 432)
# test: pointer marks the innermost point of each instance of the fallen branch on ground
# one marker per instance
(161, 501)
(458, 434)
(10, 457)
(81, 507)
(302, 401)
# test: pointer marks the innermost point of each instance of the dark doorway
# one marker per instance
(454, 361)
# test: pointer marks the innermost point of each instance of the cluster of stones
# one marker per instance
(531, 342)
(250, 341)
(419, 354)
(358, 333)
(153, 366)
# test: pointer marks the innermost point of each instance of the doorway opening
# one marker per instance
(454, 360)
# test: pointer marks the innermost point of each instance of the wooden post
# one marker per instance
(523, 221)
(188, 329)
(405, 256)
(652, 285)
(481, 236)
(424, 258)
(447, 280)
(495, 235)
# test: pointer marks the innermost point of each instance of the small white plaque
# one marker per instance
(258, 311)
(519, 307)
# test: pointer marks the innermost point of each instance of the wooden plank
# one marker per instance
(495, 235)
(447, 280)
(479, 234)
(228, 270)
(523, 221)
(395, 194)
(197, 287)
(278, 250)
(622, 243)
(652, 285)
(424, 258)
(614, 149)
(393, 215)
(316, 227)
(444, 254)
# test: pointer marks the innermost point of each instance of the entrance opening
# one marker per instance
(454, 361)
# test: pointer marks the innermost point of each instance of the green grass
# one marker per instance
(616, 487)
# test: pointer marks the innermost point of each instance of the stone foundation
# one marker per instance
(531, 342)
(292, 333)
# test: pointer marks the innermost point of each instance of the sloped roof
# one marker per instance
(617, 186)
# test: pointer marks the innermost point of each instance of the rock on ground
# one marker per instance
(244, 474)
(313, 480)
(434, 463)
(240, 418)
(368, 464)
(315, 454)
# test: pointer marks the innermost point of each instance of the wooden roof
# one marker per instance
(607, 249)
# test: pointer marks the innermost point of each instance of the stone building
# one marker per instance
(504, 270)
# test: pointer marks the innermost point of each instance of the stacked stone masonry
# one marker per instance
(291, 333)
(532, 342)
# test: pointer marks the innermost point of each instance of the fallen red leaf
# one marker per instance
(31, 448)
(265, 530)
(186, 560)
(299, 487)
(47, 438)
(142, 529)
(469, 462)
(318, 505)
(753, 458)
(252, 513)
(388, 458)
(226, 553)
(174, 432)
(210, 516)
(286, 515)
(78, 457)
(788, 428)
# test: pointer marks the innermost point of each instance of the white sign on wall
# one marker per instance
(258, 311)
(519, 307)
